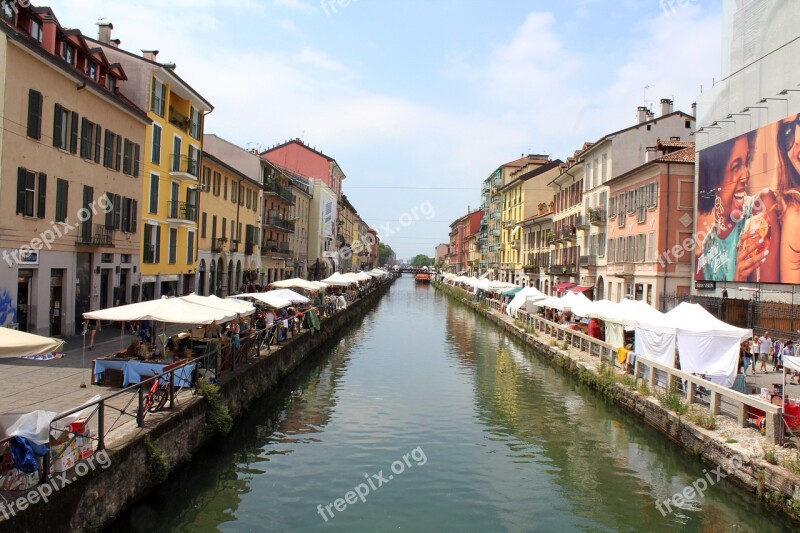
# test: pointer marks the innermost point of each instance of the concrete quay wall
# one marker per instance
(774, 484)
(141, 458)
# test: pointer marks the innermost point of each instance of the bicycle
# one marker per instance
(156, 398)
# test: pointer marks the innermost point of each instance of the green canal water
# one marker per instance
(442, 424)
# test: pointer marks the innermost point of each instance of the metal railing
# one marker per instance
(182, 211)
(280, 190)
(279, 222)
(183, 164)
(95, 235)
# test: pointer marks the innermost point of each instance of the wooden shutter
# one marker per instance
(118, 207)
(157, 254)
(97, 132)
(57, 127)
(34, 114)
(73, 140)
(40, 207)
(134, 213)
(135, 160)
(110, 212)
(21, 175)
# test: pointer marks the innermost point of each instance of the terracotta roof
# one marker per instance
(672, 143)
(685, 155)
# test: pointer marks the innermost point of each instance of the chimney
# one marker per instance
(115, 43)
(694, 109)
(150, 54)
(104, 31)
(642, 113)
(666, 106)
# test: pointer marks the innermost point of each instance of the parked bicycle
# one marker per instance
(156, 398)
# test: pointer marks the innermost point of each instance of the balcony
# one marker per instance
(550, 239)
(581, 222)
(182, 212)
(515, 244)
(149, 255)
(180, 166)
(569, 269)
(276, 222)
(234, 247)
(626, 269)
(588, 260)
(597, 217)
(484, 220)
(273, 189)
(218, 244)
(557, 269)
(494, 232)
(277, 249)
(568, 234)
(248, 248)
(179, 120)
(95, 235)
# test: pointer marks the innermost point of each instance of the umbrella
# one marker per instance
(235, 306)
(297, 283)
(289, 294)
(14, 343)
(272, 300)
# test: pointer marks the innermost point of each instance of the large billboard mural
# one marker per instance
(748, 207)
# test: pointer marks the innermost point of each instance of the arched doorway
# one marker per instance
(220, 275)
(238, 275)
(201, 278)
(230, 278)
(600, 288)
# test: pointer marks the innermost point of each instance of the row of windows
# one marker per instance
(152, 245)
(213, 181)
(158, 105)
(118, 153)
(637, 200)
(632, 248)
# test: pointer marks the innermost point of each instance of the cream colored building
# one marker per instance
(72, 172)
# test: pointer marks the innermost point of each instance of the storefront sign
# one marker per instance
(705, 285)
(28, 257)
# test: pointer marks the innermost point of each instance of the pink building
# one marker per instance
(456, 261)
(306, 161)
(650, 221)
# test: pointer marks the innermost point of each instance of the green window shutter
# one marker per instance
(73, 139)
(153, 96)
(57, 127)
(109, 222)
(157, 254)
(97, 133)
(118, 145)
(108, 149)
(40, 207)
(21, 175)
(118, 209)
(34, 114)
(135, 160)
(134, 213)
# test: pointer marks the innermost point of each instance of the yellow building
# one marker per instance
(229, 227)
(173, 144)
(521, 195)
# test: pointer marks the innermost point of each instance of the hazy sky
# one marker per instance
(413, 95)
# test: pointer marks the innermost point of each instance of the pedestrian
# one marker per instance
(788, 349)
(764, 350)
(91, 326)
(747, 357)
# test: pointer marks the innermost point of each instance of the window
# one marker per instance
(34, 114)
(158, 97)
(630, 249)
(155, 149)
(604, 168)
(612, 207)
(130, 161)
(687, 124)
(190, 248)
(612, 248)
(36, 30)
(176, 154)
(152, 243)
(225, 189)
(31, 193)
(651, 246)
(217, 182)
(195, 123)
(153, 208)
(62, 196)
(203, 220)
(620, 249)
(90, 140)
(112, 83)
(61, 127)
(206, 180)
(91, 69)
(130, 209)
(213, 228)
(194, 161)
(173, 245)
(601, 244)
(631, 201)
(640, 247)
(653, 194)
(234, 190)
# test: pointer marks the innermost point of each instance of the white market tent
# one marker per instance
(338, 280)
(568, 302)
(621, 316)
(289, 294)
(706, 345)
(235, 306)
(172, 310)
(296, 283)
(15, 343)
(526, 294)
(268, 298)
(356, 276)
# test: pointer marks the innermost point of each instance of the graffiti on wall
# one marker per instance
(8, 310)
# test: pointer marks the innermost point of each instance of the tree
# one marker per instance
(384, 253)
(422, 260)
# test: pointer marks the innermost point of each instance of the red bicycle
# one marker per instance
(157, 396)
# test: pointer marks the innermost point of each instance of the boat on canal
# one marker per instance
(422, 277)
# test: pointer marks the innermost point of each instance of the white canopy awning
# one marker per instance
(297, 283)
(268, 298)
(526, 294)
(172, 310)
(15, 343)
(339, 280)
(234, 306)
(289, 294)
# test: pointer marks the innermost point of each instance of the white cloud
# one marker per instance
(294, 4)
(289, 25)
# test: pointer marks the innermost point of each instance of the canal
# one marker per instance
(425, 417)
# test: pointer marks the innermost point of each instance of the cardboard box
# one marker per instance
(63, 461)
(16, 480)
(85, 447)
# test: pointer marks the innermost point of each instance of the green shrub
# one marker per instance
(793, 463)
(218, 417)
(552, 342)
(703, 419)
(671, 399)
(770, 456)
(643, 388)
(157, 462)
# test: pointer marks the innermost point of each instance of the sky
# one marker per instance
(419, 101)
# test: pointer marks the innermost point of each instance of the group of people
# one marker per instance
(763, 350)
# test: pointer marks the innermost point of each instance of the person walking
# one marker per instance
(747, 357)
(788, 349)
(91, 326)
(764, 350)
